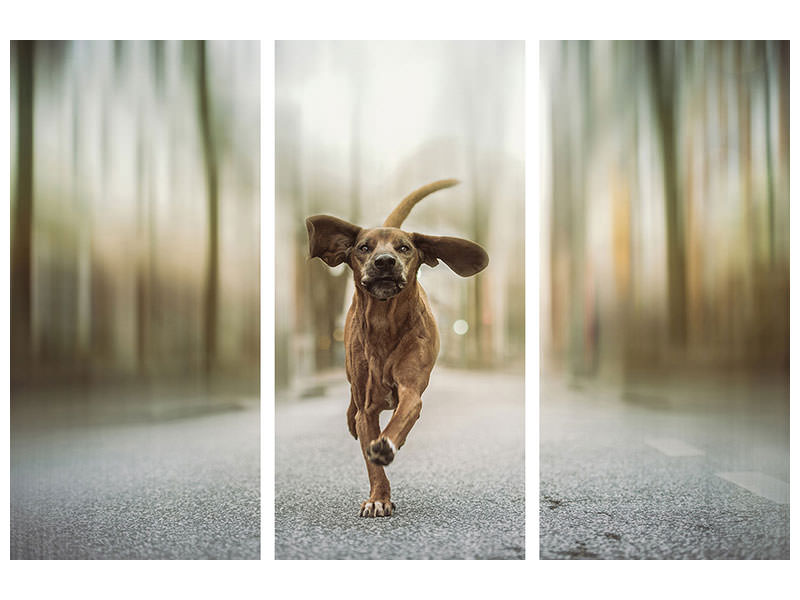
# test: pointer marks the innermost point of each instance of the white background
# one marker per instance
(410, 19)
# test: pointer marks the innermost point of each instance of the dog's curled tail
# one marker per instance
(399, 214)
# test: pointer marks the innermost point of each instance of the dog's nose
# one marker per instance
(385, 261)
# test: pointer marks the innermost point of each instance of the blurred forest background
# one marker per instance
(135, 211)
(665, 186)
(359, 125)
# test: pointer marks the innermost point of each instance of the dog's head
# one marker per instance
(385, 259)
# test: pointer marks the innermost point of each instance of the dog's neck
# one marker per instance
(387, 317)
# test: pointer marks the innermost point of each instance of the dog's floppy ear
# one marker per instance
(462, 256)
(330, 238)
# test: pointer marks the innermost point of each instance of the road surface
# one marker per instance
(676, 474)
(177, 485)
(458, 483)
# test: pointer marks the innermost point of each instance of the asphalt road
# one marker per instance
(458, 483)
(677, 473)
(181, 487)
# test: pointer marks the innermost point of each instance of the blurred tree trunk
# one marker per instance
(102, 347)
(355, 150)
(635, 352)
(561, 218)
(745, 144)
(84, 233)
(770, 169)
(150, 304)
(783, 109)
(480, 352)
(212, 188)
(578, 152)
(22, 233)
(663, 83)
(324, 287)
(482, 178)
(142, 262)
(290, 233)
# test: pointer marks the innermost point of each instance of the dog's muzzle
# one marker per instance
(383, 277)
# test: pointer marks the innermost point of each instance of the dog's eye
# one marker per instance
(363, 248)
(404, 248)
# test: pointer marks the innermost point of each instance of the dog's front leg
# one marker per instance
(409, 405)
(352, 410)
(379, 503)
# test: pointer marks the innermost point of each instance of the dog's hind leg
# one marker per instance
(379, 503)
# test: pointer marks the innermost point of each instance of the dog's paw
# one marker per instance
(376, 509)
(381, 451)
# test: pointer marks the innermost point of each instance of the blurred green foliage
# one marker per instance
(666, 204)
(135, 209)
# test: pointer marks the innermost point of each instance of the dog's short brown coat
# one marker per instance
(390, 335)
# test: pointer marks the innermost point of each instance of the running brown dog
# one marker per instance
(390, 336)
